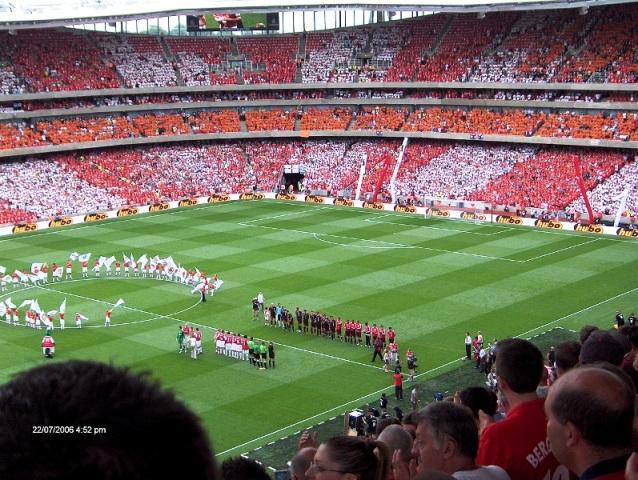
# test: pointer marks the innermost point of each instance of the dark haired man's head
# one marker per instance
(479, 398)
(520, 363)
(602, 346)
(567, 356)
(241, 467)
(144, 431)
(586, 331)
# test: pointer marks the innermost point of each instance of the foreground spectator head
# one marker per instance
(396, 438)
(409, 423)
(447, 441)
(353, 457)
(586, 331)
(602, 346)
(242, 467)
(301, 462)
(478, 398)
(519, 366)
(384, 423)
(590, 412)
(148, 433)
(567, 356)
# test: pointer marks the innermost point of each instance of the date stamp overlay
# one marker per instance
(67, 429)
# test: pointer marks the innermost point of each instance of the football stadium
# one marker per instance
(301, 219)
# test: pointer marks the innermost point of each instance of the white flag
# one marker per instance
(108, 262)
(126, 259)
(3, 309)
(84, 257)
(197, 288)
(35, 306)
(82, 317)
(34, 278)
(3, 270)
(51, 313)
(36, 267)
(143, 260)
(58, 272)
(63, 306)
(218, 283)
(21, 276)
(74, 256)
(26, 303)
(170, 263)
(118, 303)
(7, 278)
(9, 303)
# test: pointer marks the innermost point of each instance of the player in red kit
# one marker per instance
(107, 318)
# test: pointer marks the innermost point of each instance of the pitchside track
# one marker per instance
(431, 280)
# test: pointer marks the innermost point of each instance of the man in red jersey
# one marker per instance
(338, 327)
(375, 333)
(590, 413)
(48, 346)
(519, 443)
(357, 329)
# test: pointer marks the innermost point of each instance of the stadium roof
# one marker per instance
(39, 13)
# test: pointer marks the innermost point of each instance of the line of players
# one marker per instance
(149, 270)
(327, 326)
(235, 345)
(41, 320)
(189, 340)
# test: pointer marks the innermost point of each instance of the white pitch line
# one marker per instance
(263, 219)
(560, 250)
(396, 245)
(469, 232)
(578, 312)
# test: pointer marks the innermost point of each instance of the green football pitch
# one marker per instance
(432, 280)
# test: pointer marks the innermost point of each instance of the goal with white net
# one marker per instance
(466, 210)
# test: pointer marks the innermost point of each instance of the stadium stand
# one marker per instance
(263, 120)
(458, 171)
(139, 59)
(272, 58)
(604, 197)
(547, 180)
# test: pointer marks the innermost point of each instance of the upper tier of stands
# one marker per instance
(536, 46)
(519, 176)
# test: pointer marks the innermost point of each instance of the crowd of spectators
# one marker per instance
(517, 176)
(604, 197)
(329, 56)
(276, 119)
(46, 188)
(44, 60)
(273, 58)
(535, 46)
(459, 171)
(326, 118)
(139, 59)
(548, 179)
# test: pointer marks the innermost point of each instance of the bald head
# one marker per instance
(397, 438)
(599, 402)
(301, 462)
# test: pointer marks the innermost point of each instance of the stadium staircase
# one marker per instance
(353, 120)
(168, 55)
(234, 48)
(301, 54)
(440, 37)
